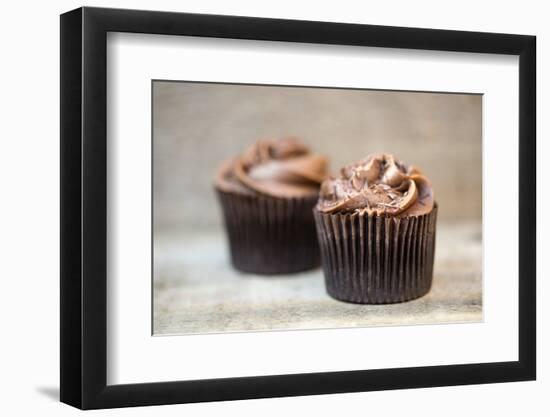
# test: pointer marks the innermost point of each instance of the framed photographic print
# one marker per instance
(258, 207)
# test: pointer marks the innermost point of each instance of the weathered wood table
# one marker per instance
(197, 291)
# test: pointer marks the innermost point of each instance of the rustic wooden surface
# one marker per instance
(197, 291)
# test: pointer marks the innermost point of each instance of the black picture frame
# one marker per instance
(84, 207)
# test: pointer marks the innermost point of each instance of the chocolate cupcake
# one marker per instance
(267, 195)
(376, 228)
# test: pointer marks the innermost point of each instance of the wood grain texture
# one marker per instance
(196, 290)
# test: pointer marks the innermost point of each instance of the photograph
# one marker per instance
(282, 207)
(271, 209)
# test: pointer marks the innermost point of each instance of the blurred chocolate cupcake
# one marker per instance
(267, 195)
(376, 228)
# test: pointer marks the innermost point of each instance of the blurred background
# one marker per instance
(198, 125)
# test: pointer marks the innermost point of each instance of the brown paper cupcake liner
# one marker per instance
(270, 235)
(376, 259)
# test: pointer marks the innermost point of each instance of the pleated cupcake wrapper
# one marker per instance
(376, 259)
(270, 235)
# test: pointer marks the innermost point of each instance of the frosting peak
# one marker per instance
(377, 185)
(277, 168)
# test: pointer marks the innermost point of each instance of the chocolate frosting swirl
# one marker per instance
(277, 168)
(377, 185)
